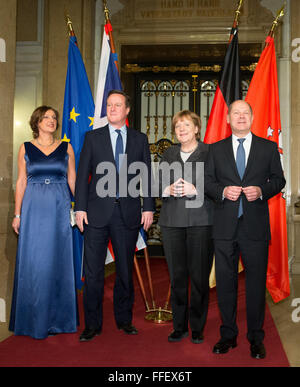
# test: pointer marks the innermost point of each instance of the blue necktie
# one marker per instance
(240, 163)
(119, 148)
(118, 152)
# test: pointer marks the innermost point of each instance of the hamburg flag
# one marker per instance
(263, 96)
(77, 120)
(108, 80)
(228, 90)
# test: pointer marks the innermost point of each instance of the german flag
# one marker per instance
(228, 90)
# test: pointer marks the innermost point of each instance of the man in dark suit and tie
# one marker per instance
(241, 173)
(107, 209)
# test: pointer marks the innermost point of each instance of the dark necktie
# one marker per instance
(119, 149)
(240, 163)
(118, 153)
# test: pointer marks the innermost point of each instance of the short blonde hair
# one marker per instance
(191, 116)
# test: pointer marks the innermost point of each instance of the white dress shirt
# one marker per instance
(246, 144)
(114, 136)
(247, 147)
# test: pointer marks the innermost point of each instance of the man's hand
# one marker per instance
(252, 193)
(81, 216)
(147, 219)
(232, 193)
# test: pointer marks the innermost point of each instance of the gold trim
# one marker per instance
(192, 68)
(251, 67)
(160, 146)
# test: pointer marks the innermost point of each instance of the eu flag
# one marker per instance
(77, 119)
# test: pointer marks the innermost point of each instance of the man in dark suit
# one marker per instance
(242, 172)
(106, 209)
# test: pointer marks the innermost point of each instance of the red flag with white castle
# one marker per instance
(263, 96)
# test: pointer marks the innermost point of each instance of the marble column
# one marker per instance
(7, 82)
(82, 13)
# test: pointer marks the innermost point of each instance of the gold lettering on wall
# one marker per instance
(184, 9)
(190, 3)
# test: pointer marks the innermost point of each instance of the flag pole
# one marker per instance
(70, 28)
(109, 30)
(280, 14)
(69, 25)
(238, 12)
(236, 19)
(275, 23)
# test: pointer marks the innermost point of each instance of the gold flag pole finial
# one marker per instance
(236, 19)
(69, 25)
(107, 22)
(106, 10)
(280, 14)
(238, 11)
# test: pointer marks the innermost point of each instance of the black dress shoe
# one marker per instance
(224, 345)
(197, 337)
(129, 329)
(258, 351)
(177, 336)
(89, 334)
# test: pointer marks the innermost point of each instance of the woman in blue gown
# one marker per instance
(44, 298)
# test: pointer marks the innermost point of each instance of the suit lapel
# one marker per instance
(195, 156)
(230, 156)
(130, 142)
(251, 156)
(105, 145)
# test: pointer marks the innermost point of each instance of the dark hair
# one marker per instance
(121, 92)
(37, 117)
(191, 116)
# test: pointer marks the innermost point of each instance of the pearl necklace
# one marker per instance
(191, 151)
(45, 145)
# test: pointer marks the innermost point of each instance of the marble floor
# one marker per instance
(283, 315)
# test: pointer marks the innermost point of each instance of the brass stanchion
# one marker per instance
(141, 282)
(149, 276)
(157, 315)
(161, 315)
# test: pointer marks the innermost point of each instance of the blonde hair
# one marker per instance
(191, 116)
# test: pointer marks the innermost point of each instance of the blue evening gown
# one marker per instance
(44, 296)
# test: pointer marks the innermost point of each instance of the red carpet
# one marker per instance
(150, 347)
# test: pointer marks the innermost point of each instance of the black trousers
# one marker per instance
(254, 256)
(189, 254)
(95, 249)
